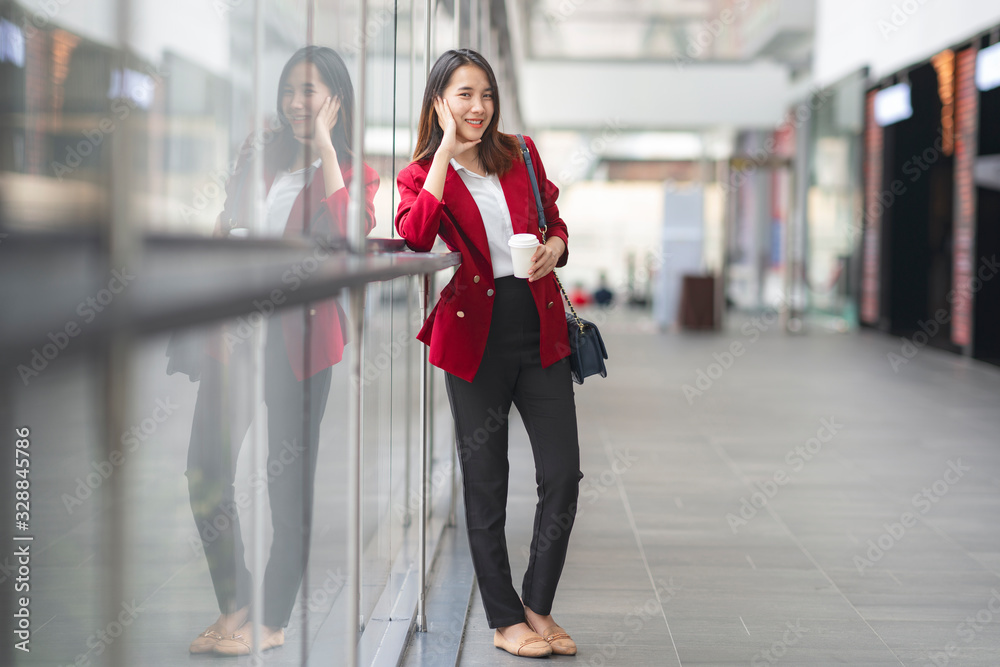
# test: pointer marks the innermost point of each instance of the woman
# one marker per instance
(308, 172)
(499, 339)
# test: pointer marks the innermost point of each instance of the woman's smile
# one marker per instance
(302, 97)
(475, 127)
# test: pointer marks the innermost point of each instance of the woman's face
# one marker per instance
(301, 98)
(471, 100)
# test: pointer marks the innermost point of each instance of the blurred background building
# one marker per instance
(835, 161)
(716, 137)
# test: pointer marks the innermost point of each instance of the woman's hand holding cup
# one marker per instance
(545, 258)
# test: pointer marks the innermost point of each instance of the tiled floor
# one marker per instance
(812, 506)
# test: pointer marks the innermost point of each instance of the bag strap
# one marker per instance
(542, 224)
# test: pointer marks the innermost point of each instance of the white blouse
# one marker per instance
(492, 205)
(281, 197)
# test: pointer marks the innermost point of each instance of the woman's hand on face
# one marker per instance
(450, 143)
(545, 258)
(326, 120)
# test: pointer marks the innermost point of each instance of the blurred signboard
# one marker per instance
(893, 104)
(988, 68)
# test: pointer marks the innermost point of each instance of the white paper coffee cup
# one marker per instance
(522, 247)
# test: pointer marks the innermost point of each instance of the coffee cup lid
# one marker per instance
(523, 241)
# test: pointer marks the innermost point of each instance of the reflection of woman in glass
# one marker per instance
(500, 339)
(315, 103)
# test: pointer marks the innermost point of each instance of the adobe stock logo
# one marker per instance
(709, 31)
(796, 459)
(923, 502)
(791, 636)
(900, 16)
(968, 630)
(130, 440)
(752, 330)
(963, 294)
(88, 310)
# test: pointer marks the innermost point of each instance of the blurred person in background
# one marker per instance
(499, 339)
(578, 296)
(308, 171)
(603, 296)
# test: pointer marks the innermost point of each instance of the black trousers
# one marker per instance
(220, 424)
(511, 372)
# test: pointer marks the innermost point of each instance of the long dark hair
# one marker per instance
(497, 150)
(280, 153)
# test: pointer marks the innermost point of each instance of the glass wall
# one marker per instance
(835, 216)
(208, 385)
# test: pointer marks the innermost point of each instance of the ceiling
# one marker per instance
(617, 30)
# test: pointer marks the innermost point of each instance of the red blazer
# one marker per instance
(328, 217)
(326, 338)
(457, 328)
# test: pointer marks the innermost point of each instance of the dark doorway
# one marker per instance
(917, 224)
(986, 340)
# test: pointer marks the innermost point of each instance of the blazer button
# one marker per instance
(312, 311)
(460, 314)
(476, 280)
(550, 304)
(489, 292)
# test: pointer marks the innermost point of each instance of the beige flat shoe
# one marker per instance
(241, 641)
(206, 641)
(530, 646)
(559, 640)
(213, 634)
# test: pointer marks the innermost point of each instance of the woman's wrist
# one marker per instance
(434, 183)
(557, 245)
(333, 179)
(328, 153)
(443, 155)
